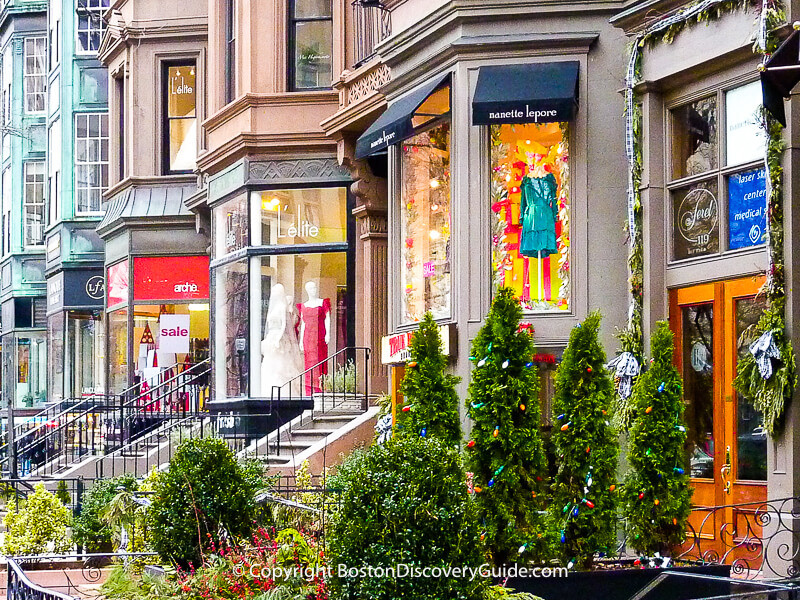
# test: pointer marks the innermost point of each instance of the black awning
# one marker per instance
(781, 73)
(395, 125)
(530, 93)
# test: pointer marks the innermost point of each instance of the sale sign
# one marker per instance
(173, 334)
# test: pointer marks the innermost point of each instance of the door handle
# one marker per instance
(726, 470)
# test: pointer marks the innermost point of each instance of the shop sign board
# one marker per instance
(170, 278)
(747, 208)
(173, 334)
(395, 349)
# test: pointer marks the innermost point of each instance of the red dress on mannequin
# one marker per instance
(315, 348)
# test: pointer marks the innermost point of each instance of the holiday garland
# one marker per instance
(768, 394)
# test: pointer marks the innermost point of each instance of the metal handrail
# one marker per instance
(22, 588)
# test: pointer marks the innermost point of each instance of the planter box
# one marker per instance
(623, 584)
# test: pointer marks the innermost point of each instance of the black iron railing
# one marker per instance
(338, 384)
(22, 588)
(372, 23)
(104, 427)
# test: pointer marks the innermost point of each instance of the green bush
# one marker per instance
(39, 526)
(204, 490)
(404, 502)
(90, 530)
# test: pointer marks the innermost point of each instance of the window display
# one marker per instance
(231, 310)
(300, 216)
(85, 353)
(55, 356)
(425, 224)
(118, 351)
(31, 370)
(230, 226)
(531, 210)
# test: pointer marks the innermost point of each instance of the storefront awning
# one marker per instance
(395, 124)
(781, 73)
(530, 93)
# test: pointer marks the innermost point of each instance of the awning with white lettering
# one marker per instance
(529, 93)
(779, 76)
(403, 116)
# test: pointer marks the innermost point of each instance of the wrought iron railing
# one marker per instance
(106, 426)
(19, 587)
(372, 23)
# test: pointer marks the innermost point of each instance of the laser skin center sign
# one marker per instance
(747, 212)
(173, 334)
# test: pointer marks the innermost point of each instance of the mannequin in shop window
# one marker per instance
(280, 351)
(538, 213)
(315, 327)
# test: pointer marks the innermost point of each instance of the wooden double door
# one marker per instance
(726, 446)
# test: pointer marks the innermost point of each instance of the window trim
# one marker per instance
(720, 175)
(90, 11)
(27, 77)
(165, 118)
(77, 163)
(292, 47)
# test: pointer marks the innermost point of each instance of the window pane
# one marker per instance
(181, 91)
(530, 213)
(751, 437)
(182, 144)
(91, 162)
(313, 49)
(231, 226)
(698, 388)
(302, 216)
(231, 318)
(90, 24)
(303, 319)
(117, 351)
(745, 139)
(425, 224)
(747, 212)
(55, 355)
(695, 220)
(694, 138)
(304, 9)
(94, 85)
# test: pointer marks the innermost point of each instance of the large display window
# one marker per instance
(25, 354)
(285, 308)
(530, 208)
(76, 355)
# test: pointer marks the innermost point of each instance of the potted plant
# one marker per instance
(338, 389)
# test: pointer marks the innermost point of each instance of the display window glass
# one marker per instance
(118, 350)
(531, 210)
(718, 184)
(231, 351)
(425, 225)
(55, 355)
(231, 226)
(300, 216)
(31, 370)
(117, 283)
(85, 353)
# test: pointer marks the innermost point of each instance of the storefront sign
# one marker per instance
(699, 357)
(170, 278)
(118, 283)
(83, 288)
(395, 349)
(697, 219)
(173, 333)
(55, 292)
(747, 214)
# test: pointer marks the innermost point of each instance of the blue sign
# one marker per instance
(747, 208)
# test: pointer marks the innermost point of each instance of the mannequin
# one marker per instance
(538, 213)
(315, 327)
(280, 351)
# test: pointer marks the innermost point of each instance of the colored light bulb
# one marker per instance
(471, 444)
(406, 408)
(505, 364)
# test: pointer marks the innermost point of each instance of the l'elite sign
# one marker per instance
(173, 333)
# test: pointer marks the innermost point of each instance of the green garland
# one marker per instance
(768, 396)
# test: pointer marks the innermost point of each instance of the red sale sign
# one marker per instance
(170, 278)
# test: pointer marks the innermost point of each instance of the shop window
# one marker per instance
(180, 118)
(55, 356)
(31, 370)
(94, 86)
(90, 25)
(231, 226)
(310, 43)
(54, 178)
(35, 73)
(91, 162)
(425, 224)
(717, 171)
(300, 216)
(118, 350)
(85, 353)
(530, 206)
(231, 315)
(117, 283)
(33, 203)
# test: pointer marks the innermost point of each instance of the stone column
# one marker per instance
(372, 250)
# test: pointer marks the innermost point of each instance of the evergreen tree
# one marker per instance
(431, 402)
(505, 454)
(583, 509)
(656, 492)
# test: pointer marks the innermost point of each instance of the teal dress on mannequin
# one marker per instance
(538, 213)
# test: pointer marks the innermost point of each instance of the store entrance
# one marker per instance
(726, 444)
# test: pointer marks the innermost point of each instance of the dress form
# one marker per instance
(538, 214)
(281, 360)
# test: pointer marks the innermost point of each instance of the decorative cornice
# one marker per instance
(155, 181)
(254, 100)
(309, 169)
